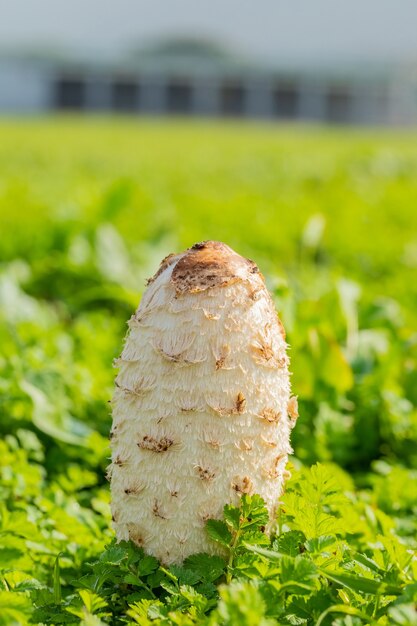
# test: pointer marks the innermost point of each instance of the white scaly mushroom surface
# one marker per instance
(200, 411)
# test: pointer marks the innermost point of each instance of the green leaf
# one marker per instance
(60, 427)
(132, 579)
(114, 555)
(404, 615)
(185, 576)
(253, 511)
(335, 369)
(16, 523)
(147, 612)
(342, 609)
(298, 569)
(369, 563)
(147, 565)
(319, 544)
(9, 557)
(361, 584)
(254, 537)
(290, 542)
(309, 502)
(232, 516)
(14, 608)
(208, 567)
(92, 601)
(241, 603)
(218, 531)
(269, 554)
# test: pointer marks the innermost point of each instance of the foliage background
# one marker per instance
(88, 208)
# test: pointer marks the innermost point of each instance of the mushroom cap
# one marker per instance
(206, 265)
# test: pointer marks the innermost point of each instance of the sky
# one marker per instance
(319, 30)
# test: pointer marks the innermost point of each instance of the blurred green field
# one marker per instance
(88, 208)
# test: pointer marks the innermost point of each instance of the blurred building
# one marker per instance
(197, 78)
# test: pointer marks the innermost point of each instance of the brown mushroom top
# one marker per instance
(206, 265)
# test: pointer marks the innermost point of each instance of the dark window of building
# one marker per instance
(286, 99)
(338, 105)
(179, 97)
(125, 95)
(69, 93)
(232, 99)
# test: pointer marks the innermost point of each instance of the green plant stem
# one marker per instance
(232, 555)
(376, 607)
(142, 584)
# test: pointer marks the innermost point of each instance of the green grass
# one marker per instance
(88, 208)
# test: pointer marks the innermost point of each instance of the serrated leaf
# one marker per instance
(241, 603)
(309, 608)
(309, 500)
(298, 573)
(147, 565)
(290, 542)
(319, 544)
(169, 586)
(218, 531)
(255, 537)
(185, 576)
(131, 579)
(398, 553)
(114, 555)
(254, 511)
(208, 589)
(209, 568)
(251, 566)
(369, 563)
(92, 601)
(194, 598)
(231, 516)
(30, 584)
(144, 611)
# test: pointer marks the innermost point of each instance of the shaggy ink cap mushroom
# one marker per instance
(202, 410)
